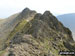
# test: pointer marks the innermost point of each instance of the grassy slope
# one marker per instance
(12, 34)
(18, 28)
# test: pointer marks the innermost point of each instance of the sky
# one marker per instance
(57, 7)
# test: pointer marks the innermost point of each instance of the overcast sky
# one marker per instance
(57, 7)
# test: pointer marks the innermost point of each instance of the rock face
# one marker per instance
(38, 35)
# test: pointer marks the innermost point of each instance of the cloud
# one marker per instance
(55, 6)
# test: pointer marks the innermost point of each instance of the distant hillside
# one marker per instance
(69, 21)
(1, 20)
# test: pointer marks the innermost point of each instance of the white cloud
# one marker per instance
(8, 7)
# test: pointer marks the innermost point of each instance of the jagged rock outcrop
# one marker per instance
(38, 35)
(11, 22)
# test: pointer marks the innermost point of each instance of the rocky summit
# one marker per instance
(29, 33)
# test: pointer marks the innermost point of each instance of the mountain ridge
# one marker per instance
(10, 23)
(37, 34)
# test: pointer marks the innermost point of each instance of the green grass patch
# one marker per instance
(18, 28)
(2, 52)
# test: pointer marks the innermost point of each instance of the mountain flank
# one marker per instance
(29, 33)
(68, 20)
